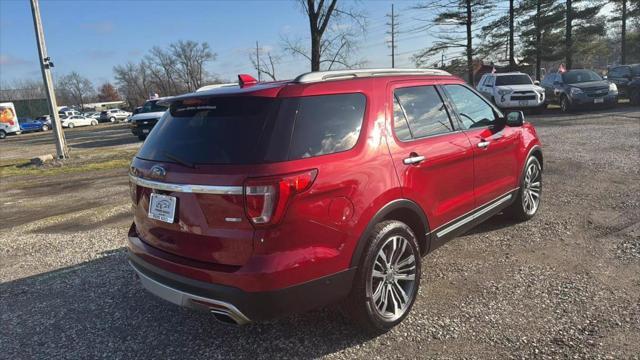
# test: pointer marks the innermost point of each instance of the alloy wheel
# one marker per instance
(392, 283)
(532, 189)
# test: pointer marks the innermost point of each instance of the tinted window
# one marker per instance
(425, 112)
(473, 110)
(520, 79)
(253, 130)
(580, 76)
(326, 124)
(400, 126)
(635, 70)
(616, 72)
(152, 106)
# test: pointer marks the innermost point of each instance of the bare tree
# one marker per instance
(333, 33)
(107, 92)
(191, 58)
(132, 81)
(265, 66)
(76, 89)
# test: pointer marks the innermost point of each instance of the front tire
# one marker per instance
(112, 119)
(388, 278)
(3, 134)
(45, 128)
(527, 201)
(71, 126)
(94, 122)
(634, 97)
(565, 105)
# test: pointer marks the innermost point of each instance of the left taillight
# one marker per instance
(266, 199)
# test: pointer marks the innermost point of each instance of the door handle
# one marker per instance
(483, 144)
(413, 160)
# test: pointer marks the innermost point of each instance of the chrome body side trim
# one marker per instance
(187, 300)
(473, 214)
(187, 188)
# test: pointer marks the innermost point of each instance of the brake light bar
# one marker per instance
(266, 199)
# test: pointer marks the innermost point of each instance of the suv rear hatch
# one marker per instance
(209, 146)
(205, 169)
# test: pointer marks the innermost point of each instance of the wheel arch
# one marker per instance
(403, 210)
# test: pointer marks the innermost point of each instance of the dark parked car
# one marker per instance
(30, 125)
(146, 118)
(579, 88)
(627, 79)
(263, 199)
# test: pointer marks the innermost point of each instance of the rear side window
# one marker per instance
(326, 124)
(254, 130)
(424, 110)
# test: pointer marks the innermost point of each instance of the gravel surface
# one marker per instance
(563, 285)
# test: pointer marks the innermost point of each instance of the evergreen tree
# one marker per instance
(542, 34)
(624, 12)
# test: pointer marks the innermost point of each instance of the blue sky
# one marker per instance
(90, 37)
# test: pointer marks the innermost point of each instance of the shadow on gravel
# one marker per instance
(98, 309)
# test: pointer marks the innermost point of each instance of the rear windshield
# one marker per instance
(513, 80)
(152, 106)
(253, 130)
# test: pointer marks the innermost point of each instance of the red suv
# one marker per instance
(261, 199)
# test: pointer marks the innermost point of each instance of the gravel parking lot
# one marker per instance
(565, 284)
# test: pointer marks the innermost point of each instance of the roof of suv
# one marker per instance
(272, 89)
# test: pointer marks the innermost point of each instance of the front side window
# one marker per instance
(425, 112)
(473, 110)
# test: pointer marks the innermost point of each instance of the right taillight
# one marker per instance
(266, 199)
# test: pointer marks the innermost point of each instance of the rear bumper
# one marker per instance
(239, 305)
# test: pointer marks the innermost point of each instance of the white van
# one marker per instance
(8, 120)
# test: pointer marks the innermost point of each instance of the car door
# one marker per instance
(433, 158)
(488, 87)
(495, 146)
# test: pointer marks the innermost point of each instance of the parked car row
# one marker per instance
(578, 88)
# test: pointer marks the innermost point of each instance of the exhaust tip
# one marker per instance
(224, 318)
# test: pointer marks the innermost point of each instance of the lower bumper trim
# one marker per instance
(182, 298)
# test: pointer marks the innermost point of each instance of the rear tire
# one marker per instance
(45, 128)
(112, 119)
(388, 278)
(71, 126)
(3, 134)
(528, 199)
(94, 122)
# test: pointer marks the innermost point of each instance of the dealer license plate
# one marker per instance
(523, 102)
(162, 207)
(598, 100)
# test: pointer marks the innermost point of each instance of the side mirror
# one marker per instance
(515, 118)
(536, 82)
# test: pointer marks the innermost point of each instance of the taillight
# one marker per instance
(266, 199)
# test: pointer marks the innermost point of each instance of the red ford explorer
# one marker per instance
(261, 199)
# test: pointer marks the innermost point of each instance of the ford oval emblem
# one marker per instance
(157, 172)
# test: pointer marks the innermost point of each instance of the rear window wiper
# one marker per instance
(179, 160)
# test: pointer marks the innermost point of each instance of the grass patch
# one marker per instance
(78, 163)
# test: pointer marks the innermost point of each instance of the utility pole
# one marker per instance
(46, 65)
(258, 59)
(442, 60)
(393, 36)
(623, 45)
(512, 60)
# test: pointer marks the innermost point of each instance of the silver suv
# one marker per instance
(113, 115)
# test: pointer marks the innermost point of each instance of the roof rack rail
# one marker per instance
(359, 73)
(216, 86)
